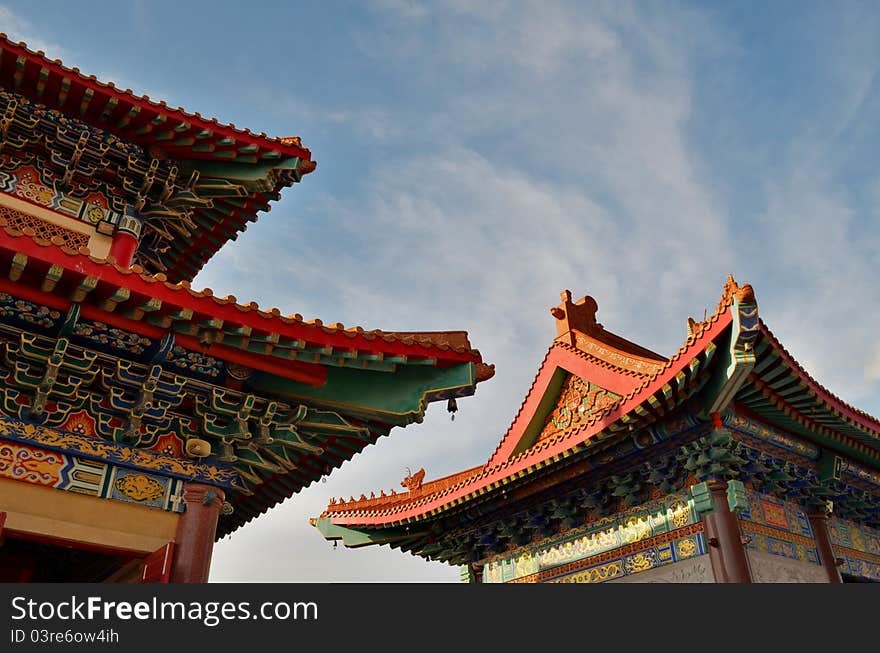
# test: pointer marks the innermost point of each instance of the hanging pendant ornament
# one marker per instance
(452, 407)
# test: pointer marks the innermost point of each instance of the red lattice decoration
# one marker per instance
(43, 229)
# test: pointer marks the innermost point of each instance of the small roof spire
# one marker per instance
(580, 315)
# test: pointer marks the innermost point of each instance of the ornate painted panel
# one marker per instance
(196, 363)
(647, 532)
(778, 527)
(28, 315)
(858, 545)
(578, 400)
(27, 177)
(31, 465)
(22, 462)
(646, 559)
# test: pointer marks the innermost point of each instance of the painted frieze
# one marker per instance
(27, 177)
(578, 401)
(778, 527)
(858, 545)
(647, 532)
(22, 462)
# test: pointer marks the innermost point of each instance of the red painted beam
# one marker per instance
(307, 373)
(204, 304)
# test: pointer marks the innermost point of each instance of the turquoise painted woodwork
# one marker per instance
(398, 398)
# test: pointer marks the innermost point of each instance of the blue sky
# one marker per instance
(474, 159)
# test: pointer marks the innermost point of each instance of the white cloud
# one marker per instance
(872, 364)
(551, 149)
(593, 187)
(19, 29)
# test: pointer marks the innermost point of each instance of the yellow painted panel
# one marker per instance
(85, 519)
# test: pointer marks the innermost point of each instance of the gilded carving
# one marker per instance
(117, 453)
(679, 514)
(641, 561)
(140, 487)
(598, 574)
(686, 548)
(578, 401)
(616, 358)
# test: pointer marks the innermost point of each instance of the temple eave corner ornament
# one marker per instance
(746, 294)
(413, 482)
(485, 372)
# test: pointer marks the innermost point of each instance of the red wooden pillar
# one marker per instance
(157, 565)
(194, 541)
(126, 238)
(819, 522)
(730, 564)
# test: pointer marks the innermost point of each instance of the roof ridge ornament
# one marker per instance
(580, 315)
(413, 482)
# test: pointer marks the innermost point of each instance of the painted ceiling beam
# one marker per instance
(398, 398)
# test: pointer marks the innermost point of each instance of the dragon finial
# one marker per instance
(413, 482)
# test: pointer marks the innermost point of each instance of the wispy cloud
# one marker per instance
(19, 29)
(535, 150)
(549, 152)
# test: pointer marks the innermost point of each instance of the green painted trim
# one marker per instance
(238, 171)
(703, 502)
(353, 538)
(398, 398)
(736, 496)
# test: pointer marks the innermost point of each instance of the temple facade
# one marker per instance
(725, 462)
(141, 419)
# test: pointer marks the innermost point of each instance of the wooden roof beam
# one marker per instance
(120, 295)
(64, 90)
(18, 76)
(150, 306)
(108, 109)
(128, 117)
(17, 267)
(86, 101)
(52, 277)
(87, 285)
(42, 79)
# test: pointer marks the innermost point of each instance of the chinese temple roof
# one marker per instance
(631, 390)
(344, 387)
(197, 182)
(130, 365)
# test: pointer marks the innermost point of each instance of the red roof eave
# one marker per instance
(543, 453)
(286, 147)
(204, 303)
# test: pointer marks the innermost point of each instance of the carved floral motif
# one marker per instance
(195, 362)
(19, 309)
(578, 401)
(112, 337)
